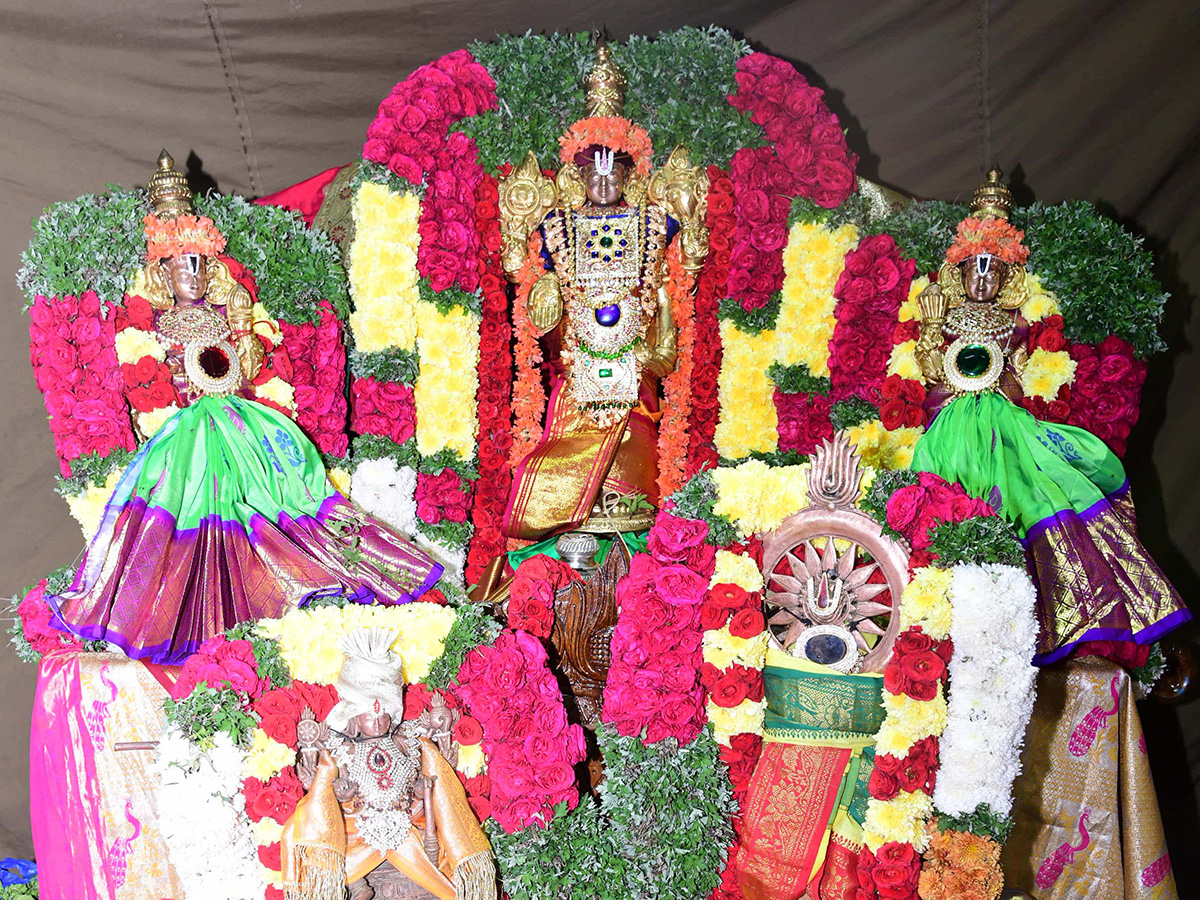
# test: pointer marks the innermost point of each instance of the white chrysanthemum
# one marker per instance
(453, 559)
(994, 630)
(388, 492)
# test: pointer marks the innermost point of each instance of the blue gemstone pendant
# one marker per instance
(609, 316)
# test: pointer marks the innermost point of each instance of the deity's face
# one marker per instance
(604, 189)
(186, 278)
(983, 277)
(371, 724)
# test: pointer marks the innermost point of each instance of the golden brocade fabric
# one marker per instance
(556, 486)
(1086, 816)
(87, 704)
(1138, 597)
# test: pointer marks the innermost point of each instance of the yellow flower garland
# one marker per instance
(87, 507)
(382, 267)
(883, 449)
(133, 343)
(1046, 372)
(1039, 302)
(310, 639)
(747, 422)
(445, 391)
(903, 361)
(757, 497)
(267, 757)
(812, 261)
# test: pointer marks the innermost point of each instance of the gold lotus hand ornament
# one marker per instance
(682, 190)
(526, 195)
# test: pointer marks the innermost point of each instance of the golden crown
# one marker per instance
(992, 198)
(168, 190)
(605, 85)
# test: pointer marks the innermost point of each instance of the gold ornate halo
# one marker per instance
(961, 378)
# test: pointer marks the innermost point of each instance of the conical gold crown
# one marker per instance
(168, 190)
(992, 198)
(605, 85)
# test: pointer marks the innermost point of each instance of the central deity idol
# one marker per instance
(603, 312)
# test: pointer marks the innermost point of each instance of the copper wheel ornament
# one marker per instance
(833, 579)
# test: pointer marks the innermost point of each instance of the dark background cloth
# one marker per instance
(1097, 100)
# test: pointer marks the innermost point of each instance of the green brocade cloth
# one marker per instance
(812, 704)
(634, 543)
(987, 443)
(235, 460)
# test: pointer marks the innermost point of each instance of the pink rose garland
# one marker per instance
(531, 748)
(653, 688)
(318, 360)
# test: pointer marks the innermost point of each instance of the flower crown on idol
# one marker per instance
(604, 126)
(988, 230)
(173, 229)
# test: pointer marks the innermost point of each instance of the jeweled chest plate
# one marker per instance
(608, 249)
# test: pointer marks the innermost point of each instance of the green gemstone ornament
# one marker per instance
(973, 360)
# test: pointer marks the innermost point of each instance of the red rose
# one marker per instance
(904, 506)
(679, 585)
(731, 596)
(280, 728)
(884, 785)
(713, 616)
(912, 641)
(747, 624)
(729, 690)
(468, 731)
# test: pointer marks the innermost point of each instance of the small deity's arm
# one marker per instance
(657, 352)
(250, 351)
(545, 303)
(928, 352)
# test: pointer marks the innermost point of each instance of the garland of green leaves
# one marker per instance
(539, 85)
(294, 266)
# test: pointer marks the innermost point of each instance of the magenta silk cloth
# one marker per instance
(64, 793)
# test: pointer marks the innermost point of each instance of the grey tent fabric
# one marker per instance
(1098, 100)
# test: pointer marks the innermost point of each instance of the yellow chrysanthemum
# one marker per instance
(747, 422)
(812, 261)
(910, 309)
(471, 761)
(264, 325)
(267, 757)
(149, 422)
(739, 569)
(925, 601)
(908, 721)
(1040, 302)
(87, 507)
(758, 497)
(133, 344)
(267, 831)
(901, 819)
(883, 449)
(382, 266)
(722, 649)
(745, 718)
(445, 391)
(277, 391)
(310, 639)
(340, 479)
(1046, 372)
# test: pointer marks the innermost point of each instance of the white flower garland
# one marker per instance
(388, 492)
(994, 630)
(201, 813)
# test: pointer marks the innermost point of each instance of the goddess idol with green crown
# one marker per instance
(225, 515)
(603, 311)
(1061, 486)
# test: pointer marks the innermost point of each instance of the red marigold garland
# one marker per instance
(677, 387)
(529, 396)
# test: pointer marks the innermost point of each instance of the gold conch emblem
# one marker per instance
(526, 195)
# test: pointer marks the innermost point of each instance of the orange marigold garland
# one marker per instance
(960, 865)
(166, 238)
(613, 132)
(989, 235)
(677, 387)
(529, 396)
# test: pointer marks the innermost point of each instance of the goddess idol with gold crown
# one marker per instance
(603, 312)
(225, 515)
(1061, 486)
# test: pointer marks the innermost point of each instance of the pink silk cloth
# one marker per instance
(1086, 819)
(93, 808)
